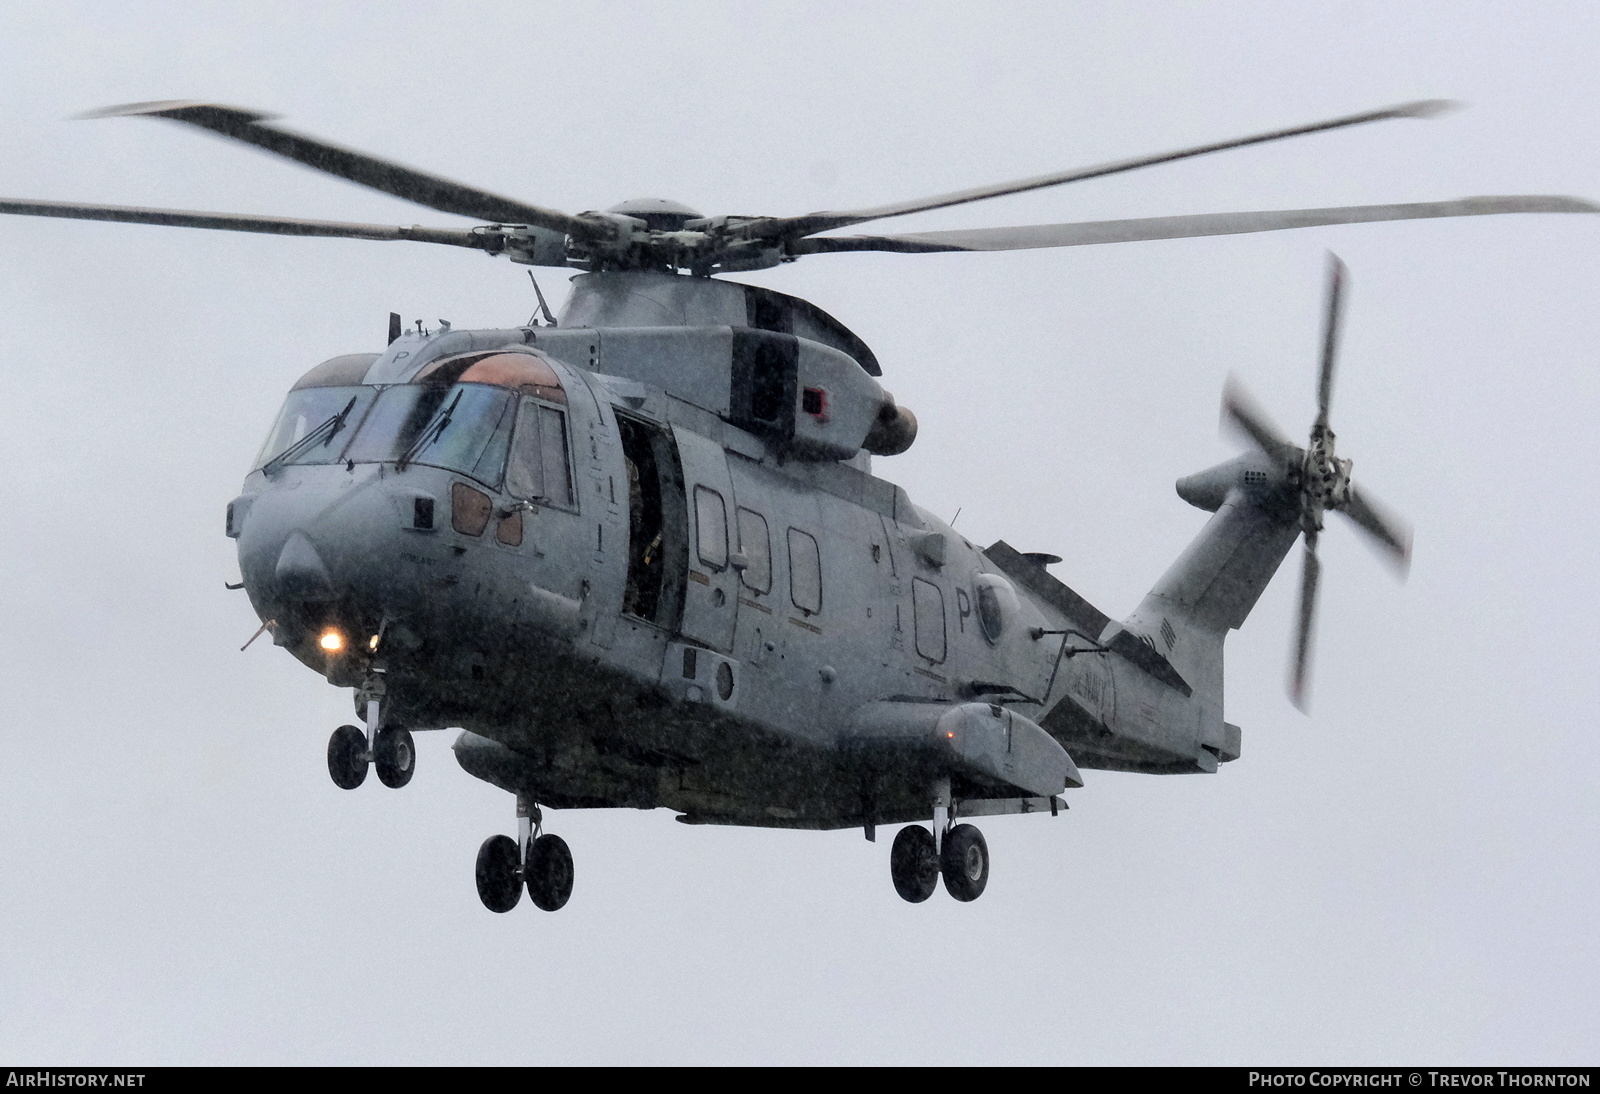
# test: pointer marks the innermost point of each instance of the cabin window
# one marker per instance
(756, 547)
(927, 610)
(711, 527)
(540, 467)
(997, 603)
(805, 572)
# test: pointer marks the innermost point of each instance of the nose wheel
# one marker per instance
(394, 756)
(537, 861)
(347, 757)
(390, 749)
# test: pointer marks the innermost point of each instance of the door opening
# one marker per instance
(656, 524)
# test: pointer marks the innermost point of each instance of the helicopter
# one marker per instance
(637, 554)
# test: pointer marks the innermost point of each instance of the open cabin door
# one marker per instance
(711, 593)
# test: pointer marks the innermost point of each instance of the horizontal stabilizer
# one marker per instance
(1039, 581)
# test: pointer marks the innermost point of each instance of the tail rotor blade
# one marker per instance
(1389, 531)
(1244, 415)
(1330, 336)
(1300, 671)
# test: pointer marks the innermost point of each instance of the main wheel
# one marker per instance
(914, 864)
(394, 756)
(347, 757)
(964, 861)
(499, 887)
(549, 872)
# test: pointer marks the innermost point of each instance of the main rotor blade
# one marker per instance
(793, 227)
(1240, 410)
(491, 241)
(1389, 531)
(1300, 671)
(1330, 337)
(409, 183)
(1085, 233)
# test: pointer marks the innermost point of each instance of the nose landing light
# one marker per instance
(331, 640)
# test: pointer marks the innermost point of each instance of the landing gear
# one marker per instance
(499, 876)
(958, 851)
(548, 872)
(535, 859)
(914, 864)
(394, 756)
(964, 861)
(389, 748)
(347, 757)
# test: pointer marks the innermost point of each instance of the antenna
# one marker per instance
(549, 319)
(394, 326)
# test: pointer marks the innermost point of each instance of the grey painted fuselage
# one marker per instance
(722, 611)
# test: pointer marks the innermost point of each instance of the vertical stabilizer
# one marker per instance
(1217, 580)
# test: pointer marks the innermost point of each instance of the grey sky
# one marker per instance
(1408, 875)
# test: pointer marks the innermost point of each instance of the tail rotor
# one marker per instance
(1321, 480)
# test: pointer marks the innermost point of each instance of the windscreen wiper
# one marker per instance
(325, 432)
(431, 433)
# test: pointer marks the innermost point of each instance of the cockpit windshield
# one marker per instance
(464, 428)
(308, 410)
(464, 425)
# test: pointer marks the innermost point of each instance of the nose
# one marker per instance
(301, 573)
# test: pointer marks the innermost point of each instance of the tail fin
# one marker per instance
(1212, 586)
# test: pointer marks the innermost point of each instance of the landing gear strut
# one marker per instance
(388, 748)
(536, 859)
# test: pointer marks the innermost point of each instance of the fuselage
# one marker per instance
(626, 599)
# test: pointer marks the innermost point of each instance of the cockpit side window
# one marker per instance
(540, 466)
